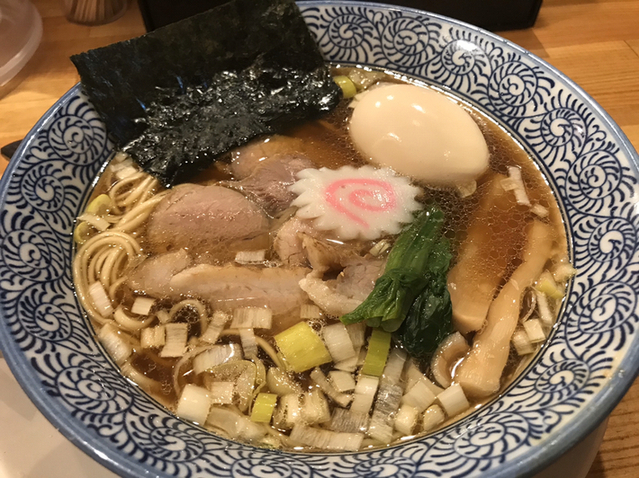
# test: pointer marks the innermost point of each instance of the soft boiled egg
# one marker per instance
(419, 133)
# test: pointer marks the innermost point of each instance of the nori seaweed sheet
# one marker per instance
(177, 98)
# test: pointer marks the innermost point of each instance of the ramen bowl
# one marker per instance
(588, 362)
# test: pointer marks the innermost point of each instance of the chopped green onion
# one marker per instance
(514, 174)
(348, 421)
(142, 305)
(346, 84)
(522, 343)
(466, 189)
(453, 400)
(386, 406)
(101, 300)
(250, 257)
(214, 356)
(394, 366)
(152, 337)
(310, 311)
(252, 317)
(234, 424)
(249, 342)
(115, 344)
(327, 387)
(263, 407)
(215, 327)
(82, 232)
(338, 342)
(564, 271)
(96, 221)
(362, 78)
(315, 407)
(349, 365)
(433, 417)
(125, 172)
(539, 210)
(546, 284)
(326, 439)
(419, 396)
(545, 314)
(194, 404)
(378, 347)
(382, 246)
(357, 332)
(288, 412)
(406, 419)
(342, 381)
(221, 392)
(535, 331)
(279, 382)
(364, 394)
(163, 316)
(245, 385)
(176, 336)
(100, 205)
(302, 348)
(414, 375)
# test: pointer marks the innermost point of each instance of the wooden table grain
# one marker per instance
(594, 42)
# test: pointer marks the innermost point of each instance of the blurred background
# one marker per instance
(594, 42)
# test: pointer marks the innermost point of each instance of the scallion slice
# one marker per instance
(338, 342)
(364, 394)
(222, 392)
(249, 343)
(302, 348)
(254, 317)
(116, 345)
(288, 412)
(176, 336)
(263, 407)
(535, 331)
(215, 327)
(453, 400)
(142, 305)
(214, 356)
(327, 387)
(342, 381)
(406, 419)
(378, 347)
(315, 407)
(152, 337)
(419, 396)
(433, 417)
(194, 404)
(101, 300)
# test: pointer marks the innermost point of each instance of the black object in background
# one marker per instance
(10, 149)
(489, 14)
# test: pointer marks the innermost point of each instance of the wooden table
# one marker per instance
(595, 42)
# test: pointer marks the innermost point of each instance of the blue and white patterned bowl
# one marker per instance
(583, 371)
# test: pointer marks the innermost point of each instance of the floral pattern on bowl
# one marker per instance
(590, 360)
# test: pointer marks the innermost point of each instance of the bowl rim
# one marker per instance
(531, 462)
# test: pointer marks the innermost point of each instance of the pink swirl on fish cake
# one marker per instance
(381, 191)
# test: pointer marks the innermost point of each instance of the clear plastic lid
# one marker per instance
(20, 34)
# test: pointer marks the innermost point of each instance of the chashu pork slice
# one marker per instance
(268, 185)
(204, 219)
(343, 295)
(229, 287)
(153, 276)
